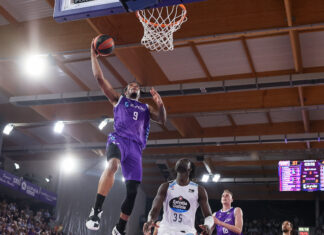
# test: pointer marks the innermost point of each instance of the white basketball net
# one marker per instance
(160, 24)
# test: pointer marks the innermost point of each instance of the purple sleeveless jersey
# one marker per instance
(226, 217)
(132, 120)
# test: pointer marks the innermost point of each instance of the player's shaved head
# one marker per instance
(184, 165)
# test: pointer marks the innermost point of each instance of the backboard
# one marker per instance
(67, 10)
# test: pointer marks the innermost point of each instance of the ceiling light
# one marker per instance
(58, 127)
(16, 166)
(7, 129)
(68, 164)
(35, 65)
(47, 180)
(103, 123)
(204, 178)
(216, 177)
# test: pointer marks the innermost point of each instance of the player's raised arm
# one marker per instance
(203, 202)
(105, 86)
(156, 207)
(158, 115)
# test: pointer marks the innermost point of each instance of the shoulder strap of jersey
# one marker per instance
(172, 183)
(120, 98)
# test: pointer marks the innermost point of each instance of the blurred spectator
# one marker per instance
(273, 227)
(16, 221)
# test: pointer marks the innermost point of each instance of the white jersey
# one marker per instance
(179, 209)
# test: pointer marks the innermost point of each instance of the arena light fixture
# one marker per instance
(205, 178)
(103, 123)
(123, 179)
(68, 164)
(35, 65)
(8, 129)
(47, 180)
(16, 166)
(216, 177)
(58, 127)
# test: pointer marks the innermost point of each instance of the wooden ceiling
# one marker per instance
(230, 41)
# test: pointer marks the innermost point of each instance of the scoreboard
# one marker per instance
(303, 231)
(306, 175)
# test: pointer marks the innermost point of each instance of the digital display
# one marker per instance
(303, 231)
(306, 175)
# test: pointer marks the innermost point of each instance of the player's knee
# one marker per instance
(112, 166)
(131, 187)
(131, 192)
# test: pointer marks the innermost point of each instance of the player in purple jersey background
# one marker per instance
(125, 144)
(228, 220)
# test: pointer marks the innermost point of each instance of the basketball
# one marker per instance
(104, 44)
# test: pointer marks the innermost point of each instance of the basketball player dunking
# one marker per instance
(228, 220)
(180, 199)
(125, 145)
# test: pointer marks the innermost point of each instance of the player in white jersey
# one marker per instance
(180, 199)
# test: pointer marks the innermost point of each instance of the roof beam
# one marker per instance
(142, 65)
(231, 119)
(221, 102)
(71, 75)
(216, 164)
(30, 135)
(295, 46)
(186, 126)
(248, 56)
(51, 114)
(269, 118)
(55, 39)
(226, 148)
(305, 114)
(283, 97)
(200, 60)
(288, 12)
(76, 60)
(246, 130)
(62, 66)
(319, 69)
(243, 172)
(209, 165)
(51, 3)
(114, 72)
(294, 39)
(103, 60)
(93, 26)
(8, 16)
(76, 111)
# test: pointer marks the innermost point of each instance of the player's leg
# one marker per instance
(132, 171)
(127, 206)
(105, 184)
(108, 177)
